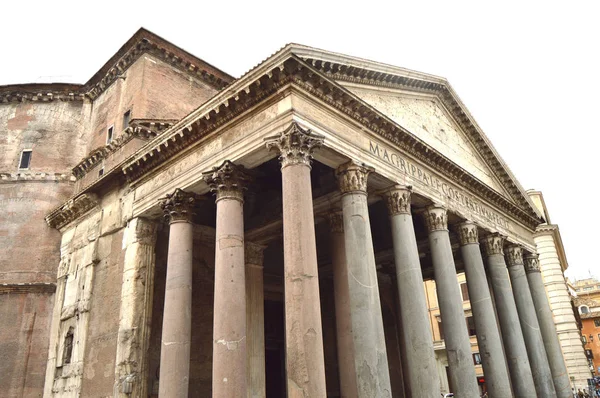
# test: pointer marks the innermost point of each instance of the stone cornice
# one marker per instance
(285, 69)
(41, 92)
(443, 90)
(35, 287)
(26, 176)
(144, 129)
(71, 210)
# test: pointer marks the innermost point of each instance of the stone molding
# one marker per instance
(179, 206)
(336, 222)
(34, 287)
(397, 199)
(35, 177)
(493, 244)
(468, 233)
(352, 177)
(145, 232)
(254, 254)
(514, 255)
(436, 218)
(44, 92)
(532, 263)
(295, 145)
(227, 181)
(71, 210)
(145, 129)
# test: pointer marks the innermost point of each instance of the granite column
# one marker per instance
(417, 342)
(255, 321)
(305, 362)
(510, 327)
(486, 328)
(542, 376)
(547, 327)
(229, 324)
(370, 356)
(343, 317)
(177, 314)
(456, 336)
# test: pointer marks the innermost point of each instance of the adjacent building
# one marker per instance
(169, 230)
(588, 303)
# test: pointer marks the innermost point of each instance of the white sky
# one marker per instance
(527, 71)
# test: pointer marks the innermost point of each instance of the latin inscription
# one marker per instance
(449, 192)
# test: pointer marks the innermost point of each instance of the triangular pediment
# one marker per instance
(426, 117)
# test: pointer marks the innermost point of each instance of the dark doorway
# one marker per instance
(275, 349)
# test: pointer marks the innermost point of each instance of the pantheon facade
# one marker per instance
(176, 232)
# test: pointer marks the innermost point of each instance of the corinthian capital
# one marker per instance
(353, 177)
(514, 255)
(397, 199)
(436, 218)
(493, 244)
(227, 180)
(467, 232)
(295, 145)
(531, 263)
(179, 206)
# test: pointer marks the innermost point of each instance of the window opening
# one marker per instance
(126, 119)
(471, 326)
(465, 291)
(25, 160)
(68, 350)
(597, 323)
(476, 358)
(109, 135)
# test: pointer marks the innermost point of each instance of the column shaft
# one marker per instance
(417, 342)
(370, 356)
(343, 318)
(488, 335)
(255, 321)
(305, 362)
(136, 305)
(177, 314)
(542, 377)
(456, 336)
(548, 328)
(512, 336)
(229, 324)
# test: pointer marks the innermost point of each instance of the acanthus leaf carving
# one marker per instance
(532, 263)
(295, 145)
(514, 255)
(228, 181)
(179, 206)
(352, 177)
(467, 233)
(436, 218)
(397, 199)
(493, 244)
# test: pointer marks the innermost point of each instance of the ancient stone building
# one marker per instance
(170, 230)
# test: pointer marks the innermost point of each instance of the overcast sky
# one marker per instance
(527, 71)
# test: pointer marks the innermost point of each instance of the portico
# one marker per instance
(297, 220)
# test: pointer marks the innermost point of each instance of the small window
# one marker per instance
(441, 329)
(465, 291)
(584, 339)
(25, 159)
(476, 358)
(126, 119)
(584, 309)
(589, 354)
(68, 350)
(471, 326)
(597, 323)
(101, 172)
(109, 135)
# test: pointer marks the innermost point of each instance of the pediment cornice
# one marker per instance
(286, 69)
(443, 91)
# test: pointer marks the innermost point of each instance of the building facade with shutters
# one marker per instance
(172, 231)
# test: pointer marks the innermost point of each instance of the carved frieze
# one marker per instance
(352, 177)
(295, 145)
(514, 255)
(397, 200)
(436, 218)
(179, 206)
(336, 222)
(71, 210)
(227, 181)
(532, 263)
(493, 244)
(467, 233)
